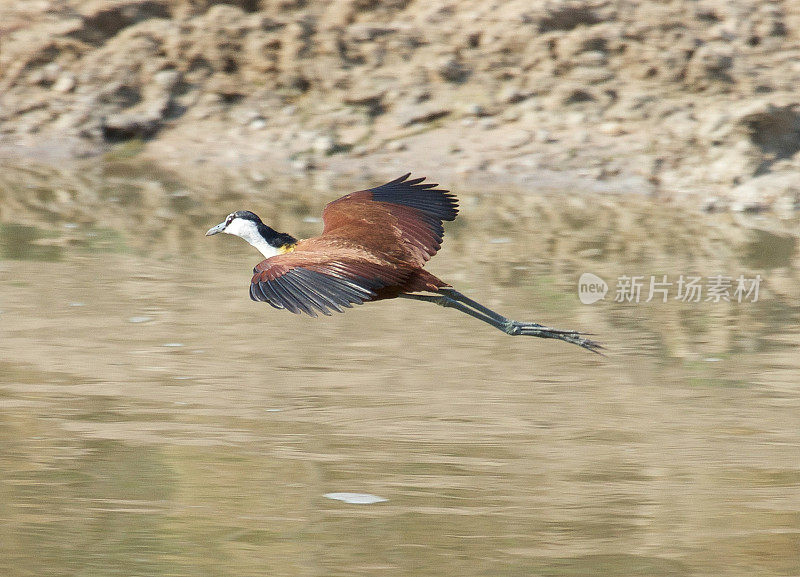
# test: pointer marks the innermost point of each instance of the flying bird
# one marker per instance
(373, 246)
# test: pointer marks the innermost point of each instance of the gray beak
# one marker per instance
(216, 230)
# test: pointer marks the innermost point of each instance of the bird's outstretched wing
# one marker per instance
(318, 277)
(401, 216)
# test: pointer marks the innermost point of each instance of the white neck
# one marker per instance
(247, 230)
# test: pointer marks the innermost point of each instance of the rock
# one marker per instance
(612, 129)
(516, 138)
(65, 83)
(421, 113)
(126, 126)
(716, 128)
(350, 136)
(713, 204)
(591, 58)
(774, 129)
(258, 123)
(729, 165)
(753, 139)
(368, 98)
(590, 75)
(47, 75)
(710, 64)
(245, 116)
(167, 79)
(103, 22)
(302, 164)
(512, 95)
(574, 44)
(371, 99)
(325, 145)
(568, 94)
(758, 193)
(359, 150)
(369, 32)
(453, 69)
(564, 16)
(511, 114)
(475, 110)
(396, 146)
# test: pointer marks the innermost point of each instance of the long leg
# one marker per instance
(454, 299)
(455, 295)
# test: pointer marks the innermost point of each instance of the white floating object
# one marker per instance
(136, 320)
(172, 345)
(355, 498)
(77, 304)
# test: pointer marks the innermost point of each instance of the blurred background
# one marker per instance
(155, 421)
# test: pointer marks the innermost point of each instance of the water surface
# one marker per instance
(155, 421)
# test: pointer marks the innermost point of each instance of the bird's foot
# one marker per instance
(515, 328)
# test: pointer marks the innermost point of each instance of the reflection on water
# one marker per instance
(768, 250)
(154, 421)
(18, 241)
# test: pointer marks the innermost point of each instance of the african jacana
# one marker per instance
(373, 246)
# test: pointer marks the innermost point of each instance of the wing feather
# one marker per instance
(259, 291)
(304, 301)
(327, 297)
(439, 203)
(307, 294)
(285, 297)
(408, 210)
(289, 282)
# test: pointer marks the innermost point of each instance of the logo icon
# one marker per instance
(591, 288)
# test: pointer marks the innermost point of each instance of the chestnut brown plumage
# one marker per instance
(373, 246)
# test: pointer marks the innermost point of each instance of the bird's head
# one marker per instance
(241, 223)
(248, 226)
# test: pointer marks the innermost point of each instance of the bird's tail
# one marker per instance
(422, 280)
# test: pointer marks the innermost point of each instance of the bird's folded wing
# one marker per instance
(401, 210)
(295, 282)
